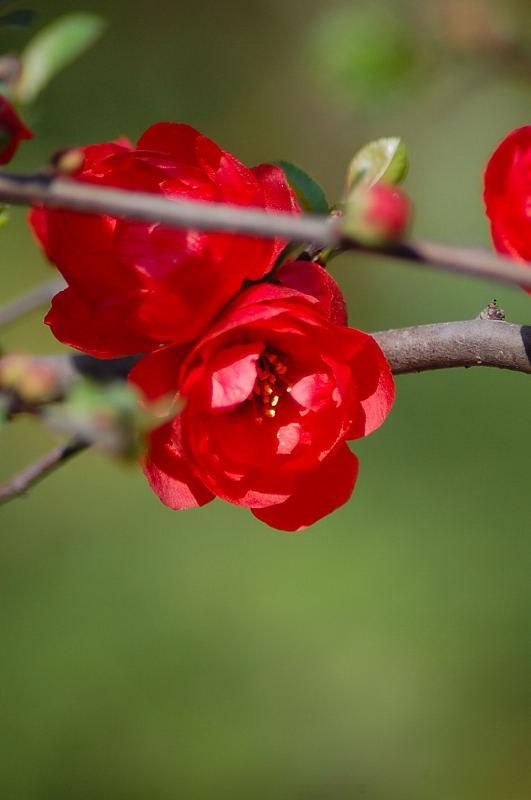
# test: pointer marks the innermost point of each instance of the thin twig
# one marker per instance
(326, 231)
(36, 472)
(40, 296)
(472, 261)
(144, 206)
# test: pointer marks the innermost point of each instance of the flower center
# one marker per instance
(271, 383)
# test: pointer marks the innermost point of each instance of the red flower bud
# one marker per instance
(388, 210)
(12, 131)
(271, 395)
(377, 215)
(508, 195)
(134, 286)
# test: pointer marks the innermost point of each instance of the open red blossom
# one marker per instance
(133, 286)
(272, 393)
(508, 195)
(12, 131)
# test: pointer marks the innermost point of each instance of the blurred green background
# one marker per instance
(383, 654)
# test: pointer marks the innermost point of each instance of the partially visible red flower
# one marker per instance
(133, 286)
(508, 195)
(272, 393)
(12, 131)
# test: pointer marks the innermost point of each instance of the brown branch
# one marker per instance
(474, 343)
(478, 342)
(471, 343)
(325, 231)
(36, 472)
(40, 296)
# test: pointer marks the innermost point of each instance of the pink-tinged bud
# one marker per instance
(388, 210)
(12, 131)
(32, 379)
(378, 215)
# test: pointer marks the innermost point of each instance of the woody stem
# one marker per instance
(64, 193)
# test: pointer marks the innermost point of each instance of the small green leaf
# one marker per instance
(4, 215)
(53, 48)
(111, 416)
(309, 194)
(381, 160)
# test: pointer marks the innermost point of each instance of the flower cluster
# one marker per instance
(508, 195)
(274, 383)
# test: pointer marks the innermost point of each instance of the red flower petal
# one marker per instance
(313, 392)
(81, 246)
(97, 163)
(376, 386)
(316, 494)
(311, 279)
(38, 222)
(169, 474)
(100, 331)
(288, 437)
(157, 374)
(234, 375)
(277, 196)
(174, 138)
(277, 192)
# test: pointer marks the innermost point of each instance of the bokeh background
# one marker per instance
(383, 654)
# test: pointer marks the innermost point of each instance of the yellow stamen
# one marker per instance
(270, 384)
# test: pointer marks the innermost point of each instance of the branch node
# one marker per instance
(493, 312)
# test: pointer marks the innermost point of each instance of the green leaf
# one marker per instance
(53, 48)
(111, 416)
(309, 194)
(4, 215)
(381, 160)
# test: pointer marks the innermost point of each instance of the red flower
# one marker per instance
(272, 392)
(508, 195)
(12, 131)
(134, 286)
